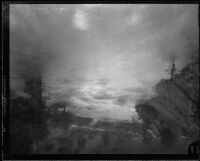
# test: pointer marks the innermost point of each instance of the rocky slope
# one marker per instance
(177, 102)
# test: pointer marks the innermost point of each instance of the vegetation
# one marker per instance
(28, 118)
(187, 82)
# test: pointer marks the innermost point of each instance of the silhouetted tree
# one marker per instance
(27, 117)
(148, 114)
(62, 118)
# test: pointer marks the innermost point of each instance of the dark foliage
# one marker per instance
(62, 119)
(106, 138)
(27, 119)
(168, 136)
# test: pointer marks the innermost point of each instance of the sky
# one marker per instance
(100, 58)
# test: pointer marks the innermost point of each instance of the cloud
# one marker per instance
(80, 20)
(134, 19)
(100, 56)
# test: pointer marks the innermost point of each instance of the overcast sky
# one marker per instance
(100, 58)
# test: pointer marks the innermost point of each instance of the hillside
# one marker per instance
(176, 104)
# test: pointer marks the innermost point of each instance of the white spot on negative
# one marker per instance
(80, 21)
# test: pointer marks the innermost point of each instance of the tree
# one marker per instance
(148, 114)
(171, 70)
(34, 87)
(27, 117)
